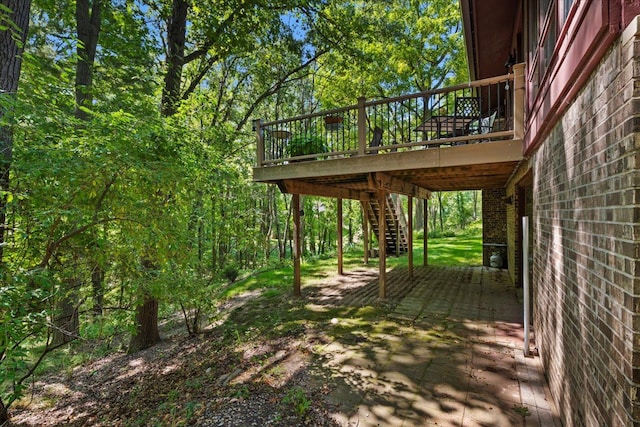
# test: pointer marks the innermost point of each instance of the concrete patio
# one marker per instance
(449, 354)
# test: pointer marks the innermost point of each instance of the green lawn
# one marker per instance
(464, 250)
(448, 251)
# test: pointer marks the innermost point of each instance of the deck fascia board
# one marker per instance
(441, 157)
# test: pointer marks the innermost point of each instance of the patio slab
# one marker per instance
(458, 362)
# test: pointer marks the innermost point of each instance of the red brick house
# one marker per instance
(579, 182)
(548, 128)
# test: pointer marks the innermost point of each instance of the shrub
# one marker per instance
(231, 272)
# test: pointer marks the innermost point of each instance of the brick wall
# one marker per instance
(513, 239)
(586, 214)
(494, 224)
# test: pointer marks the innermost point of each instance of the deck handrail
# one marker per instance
(426, 93)
(348, 130)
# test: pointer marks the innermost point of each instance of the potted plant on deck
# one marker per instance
(306, 144)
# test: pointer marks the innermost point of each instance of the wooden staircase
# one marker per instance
(396, 224)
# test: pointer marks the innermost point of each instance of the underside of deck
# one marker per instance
(414, 173)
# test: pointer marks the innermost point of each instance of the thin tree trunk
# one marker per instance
(67, 323)
(214, 252)
(418, 222)
(97, 282)
(350, 222)
(475, 205)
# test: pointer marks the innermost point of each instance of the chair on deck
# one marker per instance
(466, 110)
(482, 125)
(376, 140)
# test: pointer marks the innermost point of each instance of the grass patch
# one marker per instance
(257, 318)
(455, 251)
(460, 250)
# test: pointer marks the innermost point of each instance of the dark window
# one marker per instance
(545, 21)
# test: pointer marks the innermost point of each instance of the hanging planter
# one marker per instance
(281, 134)
(332, 122)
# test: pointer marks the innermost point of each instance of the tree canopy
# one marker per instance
(126, 176)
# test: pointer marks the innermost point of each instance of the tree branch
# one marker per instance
(276, 86)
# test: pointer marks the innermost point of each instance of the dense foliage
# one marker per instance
(132, 150)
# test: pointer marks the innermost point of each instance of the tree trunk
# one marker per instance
(214, 239)
(441, 212)
(350, 223)
(67, 323)
(4, 415)
(147, 334)
(418, 222)
(11, 48)
(97, 285)
(177, 32)
(475, 205)
(88, 20)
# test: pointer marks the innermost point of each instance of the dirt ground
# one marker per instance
(202, 380)
(440, 350)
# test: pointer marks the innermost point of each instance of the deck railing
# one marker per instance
(417, 121)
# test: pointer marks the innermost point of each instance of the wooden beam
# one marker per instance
(396, 185)
(410, 234)
(382, 245)
(301, 187)
(295, 205)
(340, 254)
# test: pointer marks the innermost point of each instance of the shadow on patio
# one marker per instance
(449, 353)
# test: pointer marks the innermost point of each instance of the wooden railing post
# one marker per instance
(257, 125)
(362, 126)
(518, 101)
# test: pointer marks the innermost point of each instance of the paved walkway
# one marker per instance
(450, 354)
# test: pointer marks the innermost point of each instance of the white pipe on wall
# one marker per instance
(525, 281)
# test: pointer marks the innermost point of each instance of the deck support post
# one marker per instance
(426, 232)
(340, 238)
(382, 244)
(410, 234)
(295, 205)
(397, 216)
(365, 231)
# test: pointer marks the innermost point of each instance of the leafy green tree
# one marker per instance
(14, 26)
(390, 48)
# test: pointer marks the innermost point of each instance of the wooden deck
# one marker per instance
(415, 173)
(369, 150)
